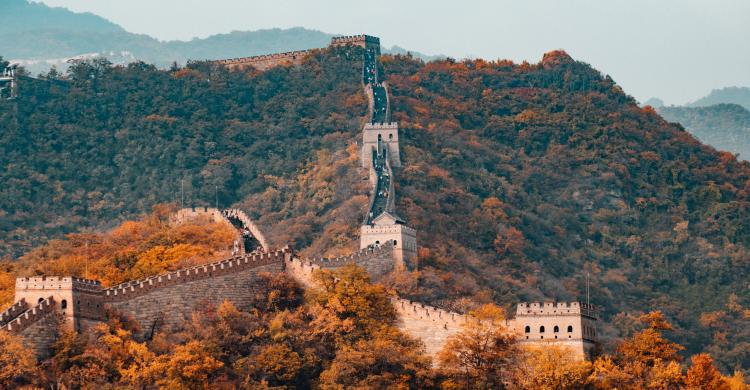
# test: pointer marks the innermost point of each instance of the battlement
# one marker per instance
(381, 126)
(249, 224)
(354, 258)
(30, 316)
(388, 229)
(135, 288)
(13, 312)
(359, 40)
(555, 309)
(265, 57)
(441, 317)
(55, 283)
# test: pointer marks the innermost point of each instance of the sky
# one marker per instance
(677, 50)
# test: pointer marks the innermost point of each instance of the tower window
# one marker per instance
(528, 329)
(64, 304)
(557, 329)
(570, 328)
(541, 329)
(390, 136)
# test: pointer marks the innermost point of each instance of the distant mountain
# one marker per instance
(736, 95)
(723, 126)
(38, 37)
(654, 102)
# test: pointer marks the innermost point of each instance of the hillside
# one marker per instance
(736, 95)
(723, 126)
(519, 178)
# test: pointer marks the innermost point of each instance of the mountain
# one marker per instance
(521, 179)
(723, 126)
(654, 102)
(38, 37)
(736, 95)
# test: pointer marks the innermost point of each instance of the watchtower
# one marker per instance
(385, 133)
(568, 324)
(389, 228)
(77, 300)
(368, 42)
(8, 83)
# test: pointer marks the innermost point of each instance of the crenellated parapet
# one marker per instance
(555, 309)
(136, 288)
(233, 216)
(266, 61)
(13, 312)
(357, 40)
(31, 316)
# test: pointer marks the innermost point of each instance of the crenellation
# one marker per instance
(30, 316)
(13, 311)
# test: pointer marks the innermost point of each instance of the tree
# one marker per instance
(483, 354)
(388, 360)
(703, 375)
(272, 365)
(189, 366)
(348, 298)
(17, 363)
(550, 367)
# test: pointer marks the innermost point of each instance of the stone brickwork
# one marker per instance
(171, 304)
(266, 61)
(13, 311)
(569, 324)
(387, 133)
(431, 325)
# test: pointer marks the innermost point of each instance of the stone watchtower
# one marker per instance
(567, 324)
(385, 133)
(77, 300)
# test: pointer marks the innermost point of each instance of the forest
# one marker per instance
(521, 179)
(340, 335)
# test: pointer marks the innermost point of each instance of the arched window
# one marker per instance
(395, 242)
(390, 136)
(40, 300)
(380, 137)
(557, 329)
(570, 328)
(64, 304)
(541, 329)
(528, 329)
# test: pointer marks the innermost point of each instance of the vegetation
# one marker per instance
(135, 249)
(520, 178)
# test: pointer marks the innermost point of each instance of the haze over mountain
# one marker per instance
(723, 126)
(39, 37)
(735, 95)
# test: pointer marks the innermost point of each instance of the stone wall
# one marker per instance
(13, 311)
(431, 325)
(167, 300)
(377, 261)
(266, 61)
(171, 305)
(41, 334)
(567, 324)
(39, 326)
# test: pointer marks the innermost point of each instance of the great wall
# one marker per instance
(46, 305)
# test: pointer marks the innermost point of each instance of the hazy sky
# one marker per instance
(677, 50)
